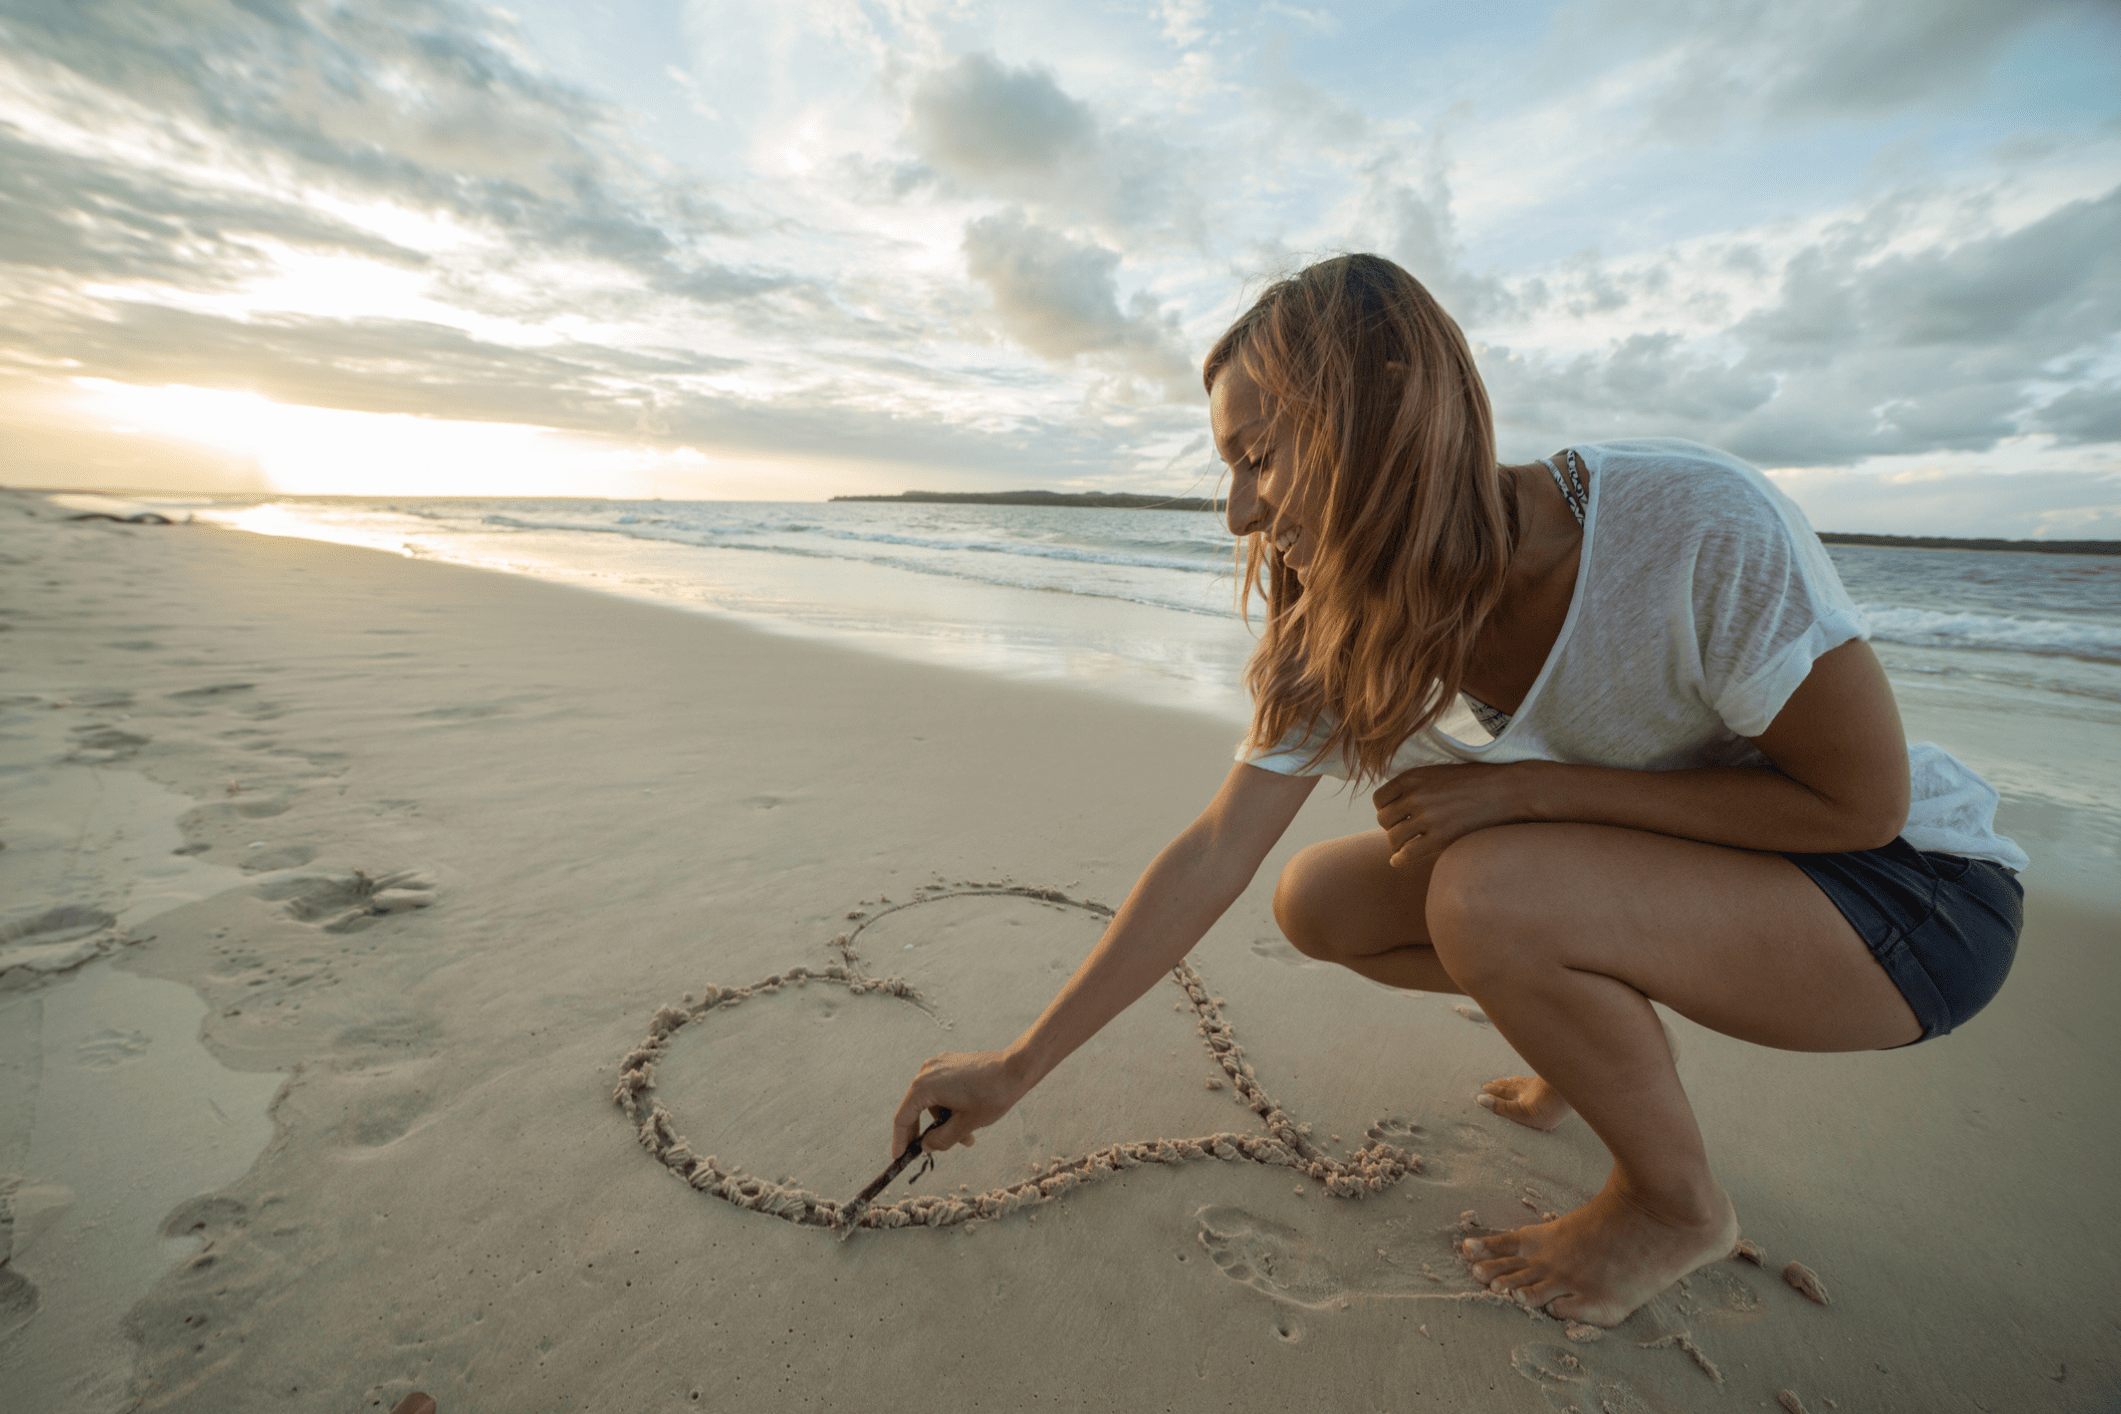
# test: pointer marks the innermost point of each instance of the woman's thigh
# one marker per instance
(1737, 940)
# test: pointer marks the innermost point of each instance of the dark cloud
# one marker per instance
(1058, 298)
(2090, 414)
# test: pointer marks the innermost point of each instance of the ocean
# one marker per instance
(1137, 604)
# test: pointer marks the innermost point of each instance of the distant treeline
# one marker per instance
(1094, 500)
(1939, 542)
(1128, 501)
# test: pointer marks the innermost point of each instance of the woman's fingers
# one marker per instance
(957, 1130)
(1389, 793)
(973, 1086)
(906, 1124)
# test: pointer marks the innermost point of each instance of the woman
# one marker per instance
(1696, 790)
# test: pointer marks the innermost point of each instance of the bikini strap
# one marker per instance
(1572, 489)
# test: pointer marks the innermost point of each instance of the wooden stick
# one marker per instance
(853, 1211)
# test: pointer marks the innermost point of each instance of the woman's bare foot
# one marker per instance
(1605, 1259)
(1526, 1099)
(1529, 1100)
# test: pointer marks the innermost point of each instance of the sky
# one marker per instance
(706, 249)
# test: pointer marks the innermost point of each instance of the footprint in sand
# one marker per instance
(1279, 949)
(263, 857)
(1269, 1257)
(1339, 1266)
(1277, 1138)
(57, 940)
(108, 1049)
(1569, 1382)
(99, 743)
(347, 903)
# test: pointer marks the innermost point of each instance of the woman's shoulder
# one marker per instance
(1671, 480)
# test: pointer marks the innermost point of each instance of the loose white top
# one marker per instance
(1702, 600)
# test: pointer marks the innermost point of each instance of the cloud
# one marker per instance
(982, 121)
(990, 130)
(1408, 205)
(82, 217)
(1802, 59)
(1058, 298)
(1871, 345)
(205, 123)
(2090, 414)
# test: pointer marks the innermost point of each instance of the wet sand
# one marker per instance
(436, 848)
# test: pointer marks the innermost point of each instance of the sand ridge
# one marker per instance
(1370, 1168)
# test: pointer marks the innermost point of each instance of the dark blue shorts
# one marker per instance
(1944, 927)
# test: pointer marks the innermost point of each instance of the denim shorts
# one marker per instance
(1944, 927)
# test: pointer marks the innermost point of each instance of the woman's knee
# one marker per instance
(1302, 903)
(1491, 908)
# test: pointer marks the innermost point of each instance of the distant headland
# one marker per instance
(1091, 500)
(1939, 542)
(1131, 501)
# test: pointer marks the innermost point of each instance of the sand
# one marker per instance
(406, 867)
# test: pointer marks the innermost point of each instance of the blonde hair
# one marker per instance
(1412, 531)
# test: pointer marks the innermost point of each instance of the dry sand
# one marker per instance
(433, 847)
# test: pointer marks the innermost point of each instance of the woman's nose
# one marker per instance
(1244, 509)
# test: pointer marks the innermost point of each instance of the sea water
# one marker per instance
(2011, 660)
(1136, 603)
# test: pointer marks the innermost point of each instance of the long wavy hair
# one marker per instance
(1412, 531)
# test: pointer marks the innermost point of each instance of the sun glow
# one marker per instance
(332, 451)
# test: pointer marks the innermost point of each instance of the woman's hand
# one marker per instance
(977, 1087)
(1431, 807)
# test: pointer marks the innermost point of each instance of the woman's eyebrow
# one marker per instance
(1241, 440)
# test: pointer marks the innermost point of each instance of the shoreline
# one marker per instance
(1129, 500)
(608, 805)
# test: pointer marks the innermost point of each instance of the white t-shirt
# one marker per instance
(1702, 600)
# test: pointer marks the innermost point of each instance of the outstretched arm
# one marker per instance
(1840, 781)
(1195, 878)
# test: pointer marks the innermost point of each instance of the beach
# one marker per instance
(344, 889)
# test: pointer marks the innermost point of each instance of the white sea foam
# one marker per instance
(1932, 628)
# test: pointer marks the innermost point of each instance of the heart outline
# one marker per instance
(1369, 1169)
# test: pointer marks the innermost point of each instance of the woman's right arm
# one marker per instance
(1191, 883)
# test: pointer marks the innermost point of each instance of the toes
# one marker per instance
(1568, 1306)
(1490, 1273)
(1539, 1293)
(1498, 1244)
(1507, 1281)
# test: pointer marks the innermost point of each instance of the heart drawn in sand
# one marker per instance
(1366, 1170)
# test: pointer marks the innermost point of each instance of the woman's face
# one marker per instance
(1262, 466)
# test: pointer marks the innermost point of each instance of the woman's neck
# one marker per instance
(1514, 643)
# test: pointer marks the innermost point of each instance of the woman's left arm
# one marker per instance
(1840, 782)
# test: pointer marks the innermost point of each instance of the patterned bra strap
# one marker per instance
(1572, 488)
(1493, 719)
